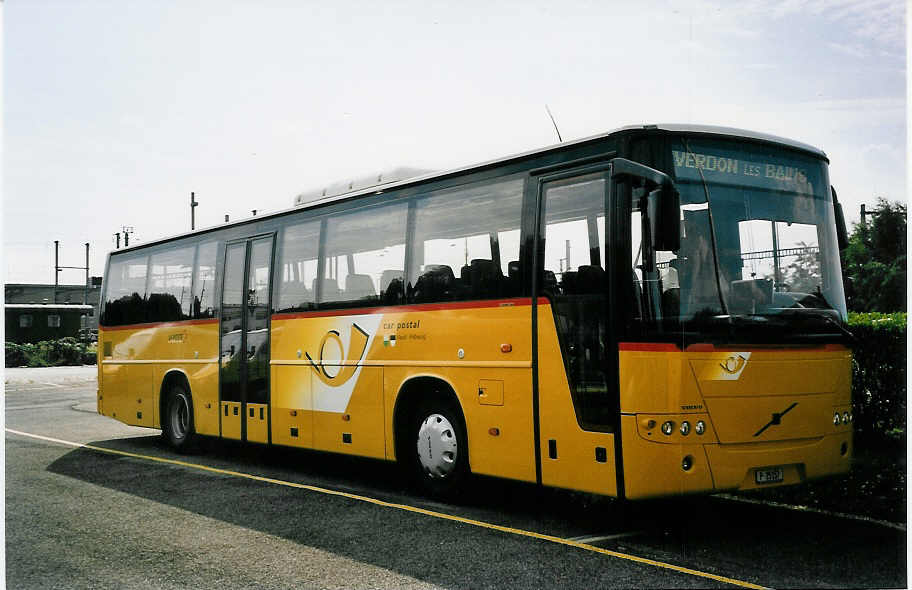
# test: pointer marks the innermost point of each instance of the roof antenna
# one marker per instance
(554, 123)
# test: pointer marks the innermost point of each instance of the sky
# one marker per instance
(114, 111)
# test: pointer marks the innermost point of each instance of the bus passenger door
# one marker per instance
(244, 348)
(577, 385)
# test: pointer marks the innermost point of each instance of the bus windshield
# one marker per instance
(758, 257)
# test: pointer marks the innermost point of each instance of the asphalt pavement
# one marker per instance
(127, 512)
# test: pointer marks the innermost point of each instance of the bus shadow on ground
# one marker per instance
(509, 503)
(699, 532)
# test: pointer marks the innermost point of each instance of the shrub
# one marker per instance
(49, 353)
(15, 356)
(90, 355)
(879, 378)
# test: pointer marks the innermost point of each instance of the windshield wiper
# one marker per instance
(781, 319)
(842, 329)
(787, 323)
(712, 232)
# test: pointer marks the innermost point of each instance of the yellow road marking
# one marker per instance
(405, 507)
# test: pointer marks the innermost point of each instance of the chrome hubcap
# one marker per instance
(437, 446)
(180, 416)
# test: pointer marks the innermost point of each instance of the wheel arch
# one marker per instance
(412, 393)
(172, 377)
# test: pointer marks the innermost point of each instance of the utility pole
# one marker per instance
(865, 212)
(85, 293)
(58, 268)
(193, 205)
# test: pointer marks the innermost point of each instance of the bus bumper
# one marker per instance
(654, 469)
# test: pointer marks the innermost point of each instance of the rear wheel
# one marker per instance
(177, 420)
(440, 449)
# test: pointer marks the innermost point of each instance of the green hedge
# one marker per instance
(50, 353)
(879, 378)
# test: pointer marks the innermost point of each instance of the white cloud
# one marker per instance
(881, 22)
(851, 49)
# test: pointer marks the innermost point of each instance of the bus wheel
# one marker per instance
(177, 421)
(441, 451)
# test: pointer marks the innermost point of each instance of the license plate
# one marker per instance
(769, 475)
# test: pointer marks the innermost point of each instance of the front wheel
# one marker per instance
(177, 421)
(441, 449)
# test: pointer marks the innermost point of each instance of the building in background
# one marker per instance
(46, 312)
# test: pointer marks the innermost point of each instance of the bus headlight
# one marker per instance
(845, 417)
(685, 428)
(667, 428)
(836, 419)
(700, 428)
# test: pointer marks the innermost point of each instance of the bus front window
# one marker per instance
(758, 256)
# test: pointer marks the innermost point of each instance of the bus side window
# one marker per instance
(574, 237)
(204, 281)
(465, 241)
(170, 275)
(362, 247)
(297, 266)
(125, 291)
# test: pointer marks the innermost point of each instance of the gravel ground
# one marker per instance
(50, 375)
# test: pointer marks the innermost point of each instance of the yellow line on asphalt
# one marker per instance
(405, 507)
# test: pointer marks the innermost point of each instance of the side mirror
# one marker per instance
(663, 203)
(842, 234)
(663, 206)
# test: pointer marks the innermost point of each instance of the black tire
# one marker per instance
(177, 419)
(438, 449)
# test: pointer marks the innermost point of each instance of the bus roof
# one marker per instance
(383, 187)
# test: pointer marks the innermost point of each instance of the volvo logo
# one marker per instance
(776, 419)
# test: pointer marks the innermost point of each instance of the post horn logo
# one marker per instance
(734, 364)
(357, 344)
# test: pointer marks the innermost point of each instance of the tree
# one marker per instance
(874, 263)
(803, 273)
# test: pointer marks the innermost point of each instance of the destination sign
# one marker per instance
(762, 170)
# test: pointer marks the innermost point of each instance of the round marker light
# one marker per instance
(685, 428)
(845, 417)
(836, 419)
(700, 428)
(667, 428)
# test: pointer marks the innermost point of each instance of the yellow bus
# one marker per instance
(653, 311)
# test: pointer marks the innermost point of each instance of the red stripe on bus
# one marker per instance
(836, 347)
(158, 325)
(523, 301)
(707, 347)
(649, 346)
